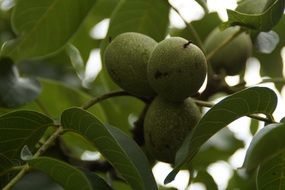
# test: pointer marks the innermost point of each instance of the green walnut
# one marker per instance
(166, 125)
(176, 69)
(126, 59)
(231, 59)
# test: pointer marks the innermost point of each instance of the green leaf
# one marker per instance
(74, 145)
(118, 110)
(82, 39)
(120, 185)
(150, 17)
(21, 128)
(122, 152)
(254, 125)
(262, 21)
(248, 101)
(253, 7)
(103, 9)
(6, 32)
(268, 142)
(221, 146)
(241, 181)
(45, 26)
(205, 178)
(203, 4)
(76, 60)
(14, 90)
(36, 180)
(270, 174)
(143, 17)
(96, 181)
(5, 165)
(67, 176)
(56, 66)
(166, 188)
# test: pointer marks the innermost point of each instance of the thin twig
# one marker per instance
(17, 177)
(49, 142)
(253, 116)
(190, 28)
(41, 150)
(106, 96)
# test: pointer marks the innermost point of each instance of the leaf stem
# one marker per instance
(106, 96)
(189, 27)
(49, 142)
(223, 44)
(41, 150)
(253, 116)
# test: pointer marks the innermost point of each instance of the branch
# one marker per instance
(268, 119)
(17, 177)
(106, 96)
(49, 142)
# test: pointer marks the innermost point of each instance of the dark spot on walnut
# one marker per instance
(167, 146)
(159, 74)
(114, 73)
(179, 71)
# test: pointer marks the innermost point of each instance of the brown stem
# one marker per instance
(106, 96)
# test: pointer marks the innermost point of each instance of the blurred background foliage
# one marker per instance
(65, 83)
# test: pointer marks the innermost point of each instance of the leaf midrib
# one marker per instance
(37, 24)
